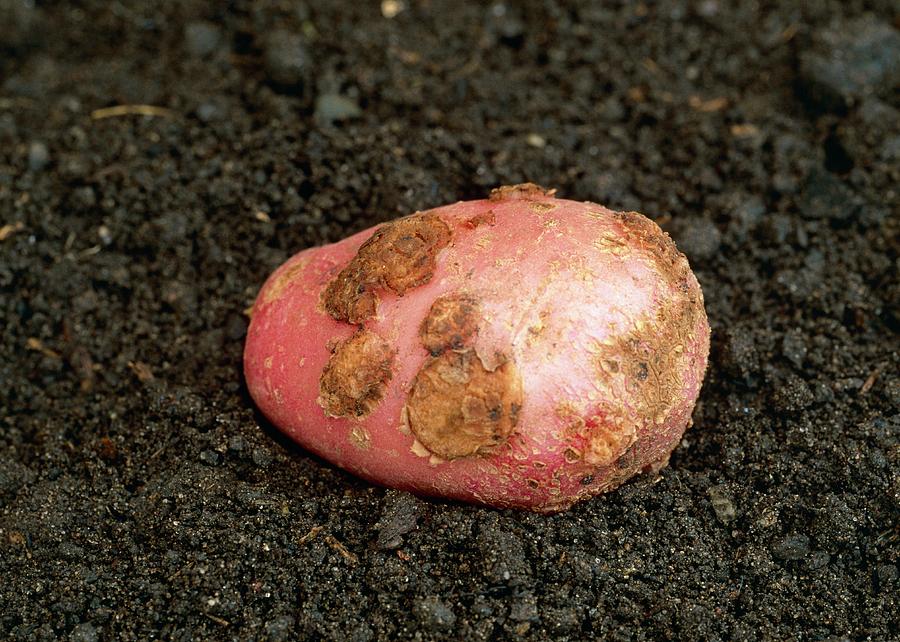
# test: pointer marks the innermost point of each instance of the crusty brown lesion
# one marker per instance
(485, 218)
(451, 322)
(400, 255)
(520, 191)
(645, 363)
(641, 232)
(649, 359)
(599, 439)
(458, 408)
(284, 280)
(354, 380)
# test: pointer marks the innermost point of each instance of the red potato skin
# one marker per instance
(595, 313)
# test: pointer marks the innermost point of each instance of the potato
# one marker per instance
(520, 351)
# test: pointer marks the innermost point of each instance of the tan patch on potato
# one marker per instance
(599, 440)
(639, 231)
(353, 381)
(542, 207)
(398, 256)
(281, 283)
(485, 218)
(649, 360)
(360, 438)
(458, 408)
(520, 191)
(451, 322)
(607, 444)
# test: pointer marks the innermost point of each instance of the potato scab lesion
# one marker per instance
(485, 218)
(520, 191)
(399, 256)
(458, 408)
(650, 361)
(450, 324)
(643, 233)
(354, 380)
(287, 277)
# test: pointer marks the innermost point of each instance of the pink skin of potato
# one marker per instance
(569, 359)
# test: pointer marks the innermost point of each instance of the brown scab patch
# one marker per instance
(520, 191)
(281, 283)
(353, 381)
(451, 322)
(542, 207)
(605, 446)
(398, 256)
(360, 438)
(485, 218)
(649, 362)
(458, 408)
(643, 233)
(598, 440)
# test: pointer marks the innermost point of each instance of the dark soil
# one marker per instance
(142, 497)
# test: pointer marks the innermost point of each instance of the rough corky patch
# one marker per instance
(355, 377)
(451, 322)
(400, 255)
(522, 190)
(458, 408)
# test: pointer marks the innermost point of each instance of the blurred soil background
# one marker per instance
(141, 495)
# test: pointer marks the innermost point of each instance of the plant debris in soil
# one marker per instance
(159, 160)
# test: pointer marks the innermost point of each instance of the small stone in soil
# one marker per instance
(38, 156)
(286, 60)
(722, 503)
(791, 547)
(331, 108)
(849, 62)
(201, 38)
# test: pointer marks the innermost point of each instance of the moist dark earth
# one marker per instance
(142, 496)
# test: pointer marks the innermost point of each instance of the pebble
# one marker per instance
(207, 112)
(793, 348)
(84, 632)
(887, 574)
(38, 156)
(749, 213)
(524, 610)
(777, 228)
(890, 149)
(84, 197)
(237, 444)
(791, 547)
(849, 62)
(400, 516)
(817, 560)
(331, 108)
(8, 128)
(235, 327)
(739, 357)
(698, 238)
(201, 38)
(279, 628)
(286, 59)
(506, 22)
(261, 457)
(794, 395)
(434, 614)
(13, 475)
(722, 503)
(826, 197)
(210, 457)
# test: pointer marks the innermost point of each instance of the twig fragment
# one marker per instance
(131, 110)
